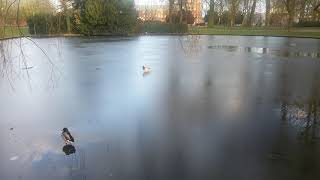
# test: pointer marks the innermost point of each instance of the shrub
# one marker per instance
(47, 24)
(307, 24)
(98, 17)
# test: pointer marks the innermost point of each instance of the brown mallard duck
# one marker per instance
(66, 136)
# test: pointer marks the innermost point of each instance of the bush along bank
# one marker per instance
(91, 17)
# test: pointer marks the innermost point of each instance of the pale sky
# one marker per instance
(260, 6)
(138, 2)
(143, 2)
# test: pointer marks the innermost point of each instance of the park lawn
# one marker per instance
(219, 30)
(241, 31)
(9, 32)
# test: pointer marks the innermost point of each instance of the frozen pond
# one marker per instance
(213, 107)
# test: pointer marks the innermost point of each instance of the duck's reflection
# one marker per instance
(145, 74)
(69, 149)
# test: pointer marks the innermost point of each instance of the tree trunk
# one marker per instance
(317, 8)
(211, 14)
(290, 4)
(302, 10)
(68, 21)
(245, 12)
(1, 14)
(233, 11)
(66, 12)
(268, 8)
(316, 11)
(171, 3)
(220, 11)
(253, 10)
(290, 20)
(180, 11)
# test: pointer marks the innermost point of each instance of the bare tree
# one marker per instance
(171, 6)
(6, 59)
(180, 2)
(211, 13)
(233, 6)
(317, 8)
(249, 11)
(245, 11)
(290, 7)
(65, 8)
(252, 13)
(182, 5)
(221, 8)
(302, 10)
(268, 8)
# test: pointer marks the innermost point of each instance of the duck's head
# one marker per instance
(65, 130)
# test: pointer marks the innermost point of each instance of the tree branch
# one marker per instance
(317, 8)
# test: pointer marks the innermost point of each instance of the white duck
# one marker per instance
(146, 69)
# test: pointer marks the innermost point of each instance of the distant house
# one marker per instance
(12, 22)
(195, 6)
(23, 23)
(160, 12)
(152, 12)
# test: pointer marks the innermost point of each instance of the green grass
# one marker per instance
(219, 30)
(8, 32)
(160, 27)
(241, 31)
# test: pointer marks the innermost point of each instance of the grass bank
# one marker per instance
(241, 31)
(161, 28)
(10, 32)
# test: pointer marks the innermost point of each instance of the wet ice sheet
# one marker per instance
(268, 51)
(201, 113)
